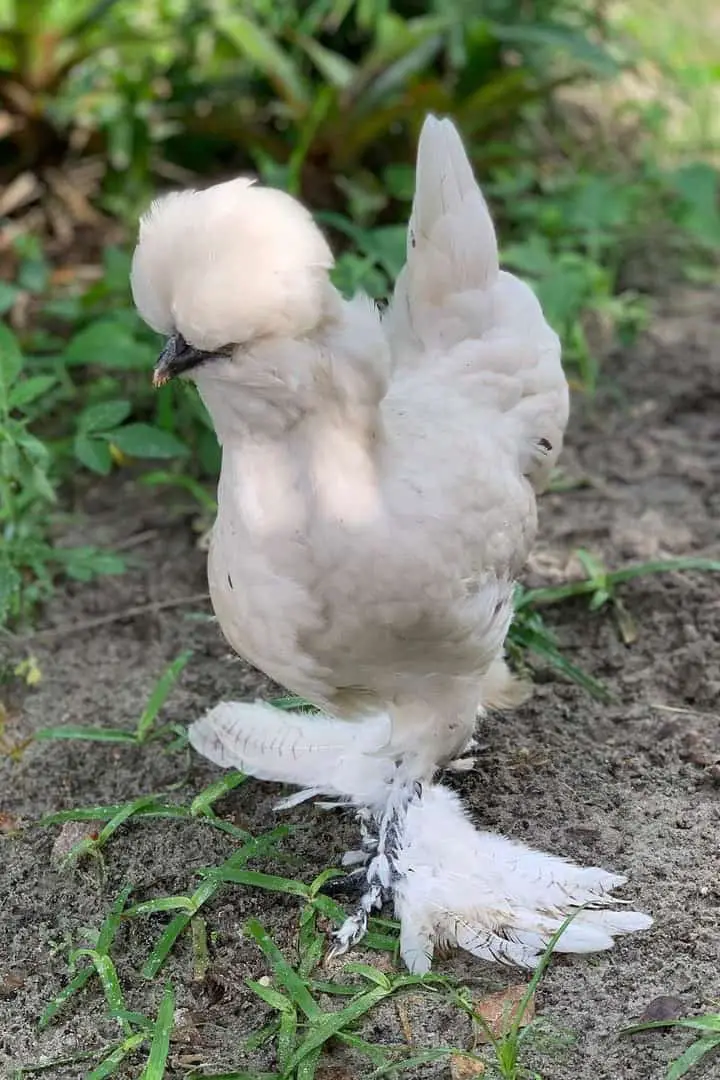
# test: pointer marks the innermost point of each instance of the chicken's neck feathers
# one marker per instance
(335, 376)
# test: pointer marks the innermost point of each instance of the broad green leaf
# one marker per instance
(28, 390)
(145, 441)
(104, 415)
(93, 453)
(11, 362)
(10, 582)
(8, 295)
(83, 564)
(108, 343)
(262, 50)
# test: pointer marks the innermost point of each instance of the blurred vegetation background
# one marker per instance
(594, 126)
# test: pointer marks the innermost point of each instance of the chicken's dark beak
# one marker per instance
(176, 357)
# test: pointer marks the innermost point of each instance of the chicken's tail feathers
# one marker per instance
(451, 243)
(473, 322)
(318, 752)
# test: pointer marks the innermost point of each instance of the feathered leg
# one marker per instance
(451, 884)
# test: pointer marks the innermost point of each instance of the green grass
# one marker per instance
(705, 1048)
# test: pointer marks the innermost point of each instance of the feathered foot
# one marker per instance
(451, 885)
(382, 855)
(497, 899)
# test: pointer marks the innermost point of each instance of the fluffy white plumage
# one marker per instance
(376, 502)
(495, 898)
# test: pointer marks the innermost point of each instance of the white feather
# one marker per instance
(455, 310)
(317, 752)
(492, 896)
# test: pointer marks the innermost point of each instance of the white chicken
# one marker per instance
(375, 505)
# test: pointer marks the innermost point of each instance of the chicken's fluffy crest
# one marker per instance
(230, 264)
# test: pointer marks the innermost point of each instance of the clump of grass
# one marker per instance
(146, 729)
(530, 634)
(707, 1043)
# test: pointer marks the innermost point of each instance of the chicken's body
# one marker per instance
(376, 504)
(349, 550)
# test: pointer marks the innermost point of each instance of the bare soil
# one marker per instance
(633, 786)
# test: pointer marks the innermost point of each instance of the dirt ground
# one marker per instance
(633, 786)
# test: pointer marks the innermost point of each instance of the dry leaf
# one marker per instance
(71, 834)
(499, 1011)
(463, 1067)
(9, 824)
(11, 983)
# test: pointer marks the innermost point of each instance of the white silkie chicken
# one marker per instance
(376, 503)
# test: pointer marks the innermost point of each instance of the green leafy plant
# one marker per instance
(28, 561)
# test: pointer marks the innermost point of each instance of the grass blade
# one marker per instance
(423, 1057)
(327, 1025)
(285, 974)
(536, 638)
(124, 813)
(201, 956)
(201, 806)
(58, 1063)
(156, 809)
(270, 882)
(53, 1007)
(163, 903)
(106, 813)
(159, 695)
(70, 731)
(554, 594)
(164, 945)
(690, 1057)
(308, 1066)
(213, 881)
(111, 1063)
(107, 973)
(174, 929)
(271, 996)
(104, 941)
(112, 921)
(160, 1044)
(292, 703)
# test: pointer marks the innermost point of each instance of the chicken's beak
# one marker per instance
(176, 357)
